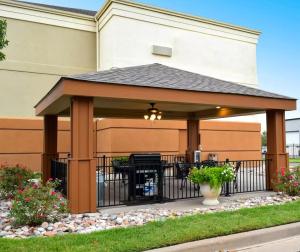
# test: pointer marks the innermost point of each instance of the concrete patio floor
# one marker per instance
(186, 204)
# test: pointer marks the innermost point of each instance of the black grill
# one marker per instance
(145, 177)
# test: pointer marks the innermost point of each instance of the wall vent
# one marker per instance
(162, 50)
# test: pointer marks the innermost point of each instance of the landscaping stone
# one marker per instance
(87, 223)
(45, 225)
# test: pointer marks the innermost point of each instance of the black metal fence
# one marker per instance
(59, 170)
(293, 150)
(152, 183)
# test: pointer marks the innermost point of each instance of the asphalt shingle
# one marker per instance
(161, 76)
(74, 10)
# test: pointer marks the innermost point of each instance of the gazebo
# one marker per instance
(127, 92)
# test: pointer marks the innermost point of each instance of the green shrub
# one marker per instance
(214, 176)
(37, 203)
(289, 182)
(13, 178)
(121, 159)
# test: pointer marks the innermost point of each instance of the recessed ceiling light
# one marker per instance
(218, 107)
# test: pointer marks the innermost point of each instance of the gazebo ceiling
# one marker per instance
(127, 92)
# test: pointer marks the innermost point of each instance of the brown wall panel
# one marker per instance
(143, 140)
(21, 140)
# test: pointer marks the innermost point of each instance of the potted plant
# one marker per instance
(211, 180)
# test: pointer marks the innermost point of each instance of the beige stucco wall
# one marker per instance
(37, 55)
(45, 46)
(127, 34)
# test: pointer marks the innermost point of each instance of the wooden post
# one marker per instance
(276, 145)
(193, 139)
(82, 165)
(50, 145)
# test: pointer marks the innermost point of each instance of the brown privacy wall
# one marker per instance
(21, 140)
(233, 140)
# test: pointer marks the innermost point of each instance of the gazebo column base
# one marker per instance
(276, 148)
(82, 186)
(82, 165)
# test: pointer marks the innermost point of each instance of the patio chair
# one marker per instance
(120, 167)
(209, 163)
(182, 173)
(236, 170)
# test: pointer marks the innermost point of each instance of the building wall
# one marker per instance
(127, 34)
(292, 128)
(21, 140)
(46, 44)
(37, 55)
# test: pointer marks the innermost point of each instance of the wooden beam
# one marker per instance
(67, 88)
(82, 165)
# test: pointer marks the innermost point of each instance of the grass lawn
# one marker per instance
(294, 160)
(159, 234)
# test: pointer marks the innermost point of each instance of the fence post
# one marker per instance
(104, 162)
(293, 150)
(268, 162)
(227, 194)
(160, 183)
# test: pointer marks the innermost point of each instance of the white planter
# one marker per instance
(210, 195)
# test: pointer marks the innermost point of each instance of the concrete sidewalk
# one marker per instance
(291, 244)
(257, 240)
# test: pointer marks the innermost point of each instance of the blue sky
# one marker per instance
(278, 51)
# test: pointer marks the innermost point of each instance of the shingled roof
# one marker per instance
(74, 10)
(161, 76)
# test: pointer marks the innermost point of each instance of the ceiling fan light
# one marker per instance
(152, 117)
(153, 113)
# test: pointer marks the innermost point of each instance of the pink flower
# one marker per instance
(53, 193)
(34, 185)
(282, 171)
(295, 184)
(27, 199)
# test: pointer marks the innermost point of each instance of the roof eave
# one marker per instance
(177, 14)
(47, 10)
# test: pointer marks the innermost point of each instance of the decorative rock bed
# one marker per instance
(86, 223)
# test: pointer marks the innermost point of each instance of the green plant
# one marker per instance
(13, 178)
(289, 182)
(37, 203)
(121, 159)
(264, 138)
(214, 176)
(3, 40)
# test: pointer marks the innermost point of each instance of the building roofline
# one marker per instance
(47, 9)
(174, 13)
(293, 119)
(69, 13)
